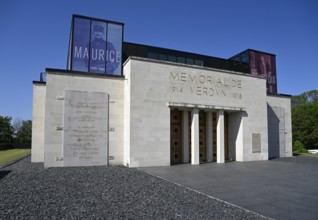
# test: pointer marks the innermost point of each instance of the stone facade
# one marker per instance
(140, 108)
(57, 82)
(155, 87)
(279, 126)
(38, 119)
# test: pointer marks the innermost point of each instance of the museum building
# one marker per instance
(121, 103)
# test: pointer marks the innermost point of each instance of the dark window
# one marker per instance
(198, 62)
(152, 55)
(172, 58)
(190, 61)
(237, 58)
(245, 57)
(181, 60)
(162, 57)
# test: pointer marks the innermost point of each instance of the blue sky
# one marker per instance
(34, 35)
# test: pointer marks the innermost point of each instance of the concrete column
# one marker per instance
(195, 137)
(185, 136)
(239, 141)
(220, 137)
(209, 136)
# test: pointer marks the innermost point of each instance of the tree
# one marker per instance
(299, 147)
(6, 130)
(304, 98)
(305, 119)
(24, 134)
(16, 125)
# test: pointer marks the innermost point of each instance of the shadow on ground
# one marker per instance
(3, 173)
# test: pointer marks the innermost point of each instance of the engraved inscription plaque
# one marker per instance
(85, 139)
(256, 142)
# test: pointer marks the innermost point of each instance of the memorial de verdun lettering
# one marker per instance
(121, 103)
(206, 85)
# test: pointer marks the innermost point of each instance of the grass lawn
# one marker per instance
(12, 154)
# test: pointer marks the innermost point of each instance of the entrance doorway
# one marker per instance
(176, 136)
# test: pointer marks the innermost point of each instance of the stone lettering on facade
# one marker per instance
(205, 85)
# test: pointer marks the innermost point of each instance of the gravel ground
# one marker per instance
(299, 159)
(28, 191)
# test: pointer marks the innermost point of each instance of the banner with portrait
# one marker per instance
(96, 46)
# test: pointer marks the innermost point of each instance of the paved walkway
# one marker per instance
(277, 189)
